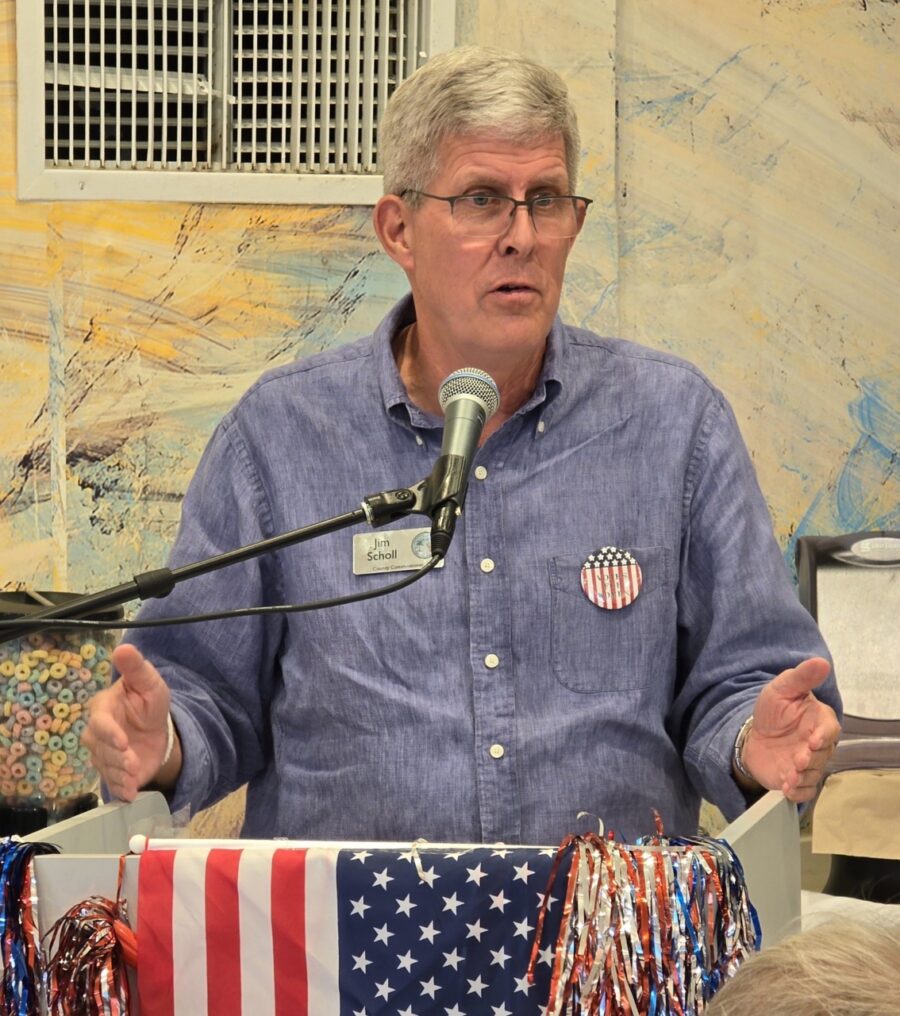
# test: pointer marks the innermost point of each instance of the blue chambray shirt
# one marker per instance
(384, 719)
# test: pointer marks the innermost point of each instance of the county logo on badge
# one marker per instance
(611, 578)
(421, 545)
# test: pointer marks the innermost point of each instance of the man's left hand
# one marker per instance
(793, 733)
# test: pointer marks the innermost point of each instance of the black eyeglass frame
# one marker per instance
(516, 204)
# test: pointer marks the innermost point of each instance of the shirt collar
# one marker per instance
(396, 399)
(551, 378)
(397, 403)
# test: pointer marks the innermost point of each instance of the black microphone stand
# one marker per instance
(376, 509)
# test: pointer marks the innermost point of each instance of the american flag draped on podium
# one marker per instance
(324, 932)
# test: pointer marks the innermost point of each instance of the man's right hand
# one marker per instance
(127, 732)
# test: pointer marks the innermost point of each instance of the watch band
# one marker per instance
(170, 740)
(739, 750)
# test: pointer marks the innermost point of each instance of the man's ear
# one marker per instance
(391, 219)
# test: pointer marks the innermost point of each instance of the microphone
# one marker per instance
(469, 398)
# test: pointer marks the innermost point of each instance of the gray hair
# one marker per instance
(471, 90)
(841, 968)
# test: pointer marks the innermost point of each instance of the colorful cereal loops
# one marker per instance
(46, 681)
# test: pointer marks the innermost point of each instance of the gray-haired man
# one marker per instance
(502, 694)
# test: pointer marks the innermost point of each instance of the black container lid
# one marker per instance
(27, 602)
(27, 816)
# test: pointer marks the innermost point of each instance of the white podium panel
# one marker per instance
(107, 829)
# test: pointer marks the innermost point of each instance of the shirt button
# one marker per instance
(492, 660)
(497, 751)
(540, 427)
(487, 566)
(480, 473)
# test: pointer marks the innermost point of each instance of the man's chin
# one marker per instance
(517, 325)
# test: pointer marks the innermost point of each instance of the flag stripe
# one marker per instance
(288, 900)
(606, 596)
(257, 957)
(223, 930)
(156, 992)
(322, 953)
(189, 931)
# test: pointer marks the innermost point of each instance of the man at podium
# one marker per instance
(613, 630)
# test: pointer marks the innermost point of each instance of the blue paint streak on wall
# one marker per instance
(668, 107)
(607, 295)
(865, 495)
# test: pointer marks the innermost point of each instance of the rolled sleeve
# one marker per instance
(740, 622)
(219, 704)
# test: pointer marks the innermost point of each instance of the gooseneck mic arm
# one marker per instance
(377, 510)
(468, 397)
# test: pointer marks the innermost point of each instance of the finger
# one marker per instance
(123, 790)
(137, 673)
(800, 795)
(105, 738)
(827, 731)
(799, 782)
(104, 729)
(818, 760)
(798, 681)
(113, 768)
(106, 755)
(805, 759)
(802, 782)
(120, 772)
(806, 766)
(789, 781)
(809, 778)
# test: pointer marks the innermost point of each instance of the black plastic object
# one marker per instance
(875, 879)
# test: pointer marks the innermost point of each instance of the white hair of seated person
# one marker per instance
(468, 91)
(841, 968)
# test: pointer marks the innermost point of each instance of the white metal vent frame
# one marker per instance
(38, 181)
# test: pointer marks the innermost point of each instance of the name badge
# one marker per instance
(391, 550)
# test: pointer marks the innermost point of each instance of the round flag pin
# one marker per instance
(611, 578)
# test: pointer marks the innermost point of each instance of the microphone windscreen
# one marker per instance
(472, 382)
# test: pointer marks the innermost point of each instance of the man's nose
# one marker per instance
(520, 234)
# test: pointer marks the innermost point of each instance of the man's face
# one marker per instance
(487, 300)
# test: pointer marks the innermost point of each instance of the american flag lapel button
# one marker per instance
(611, 578)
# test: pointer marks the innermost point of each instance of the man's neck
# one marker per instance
(422, 376)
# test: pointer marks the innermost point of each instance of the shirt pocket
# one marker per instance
(595, 650)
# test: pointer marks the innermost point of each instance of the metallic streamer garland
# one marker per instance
(647, 930)
(24, 976)
(89, 946)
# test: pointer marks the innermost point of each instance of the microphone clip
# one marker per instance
(439, 496)
(390, 505)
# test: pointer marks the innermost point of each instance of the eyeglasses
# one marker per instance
(555, 216)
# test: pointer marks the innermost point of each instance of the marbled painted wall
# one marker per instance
(747, 218)
(759, 224)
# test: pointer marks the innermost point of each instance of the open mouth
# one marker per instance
(513, 288)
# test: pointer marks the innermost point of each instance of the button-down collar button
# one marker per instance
(419, 440)
(541, 427)
(491, 661)
(487, 566)
(497, 751)
(480, 473)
